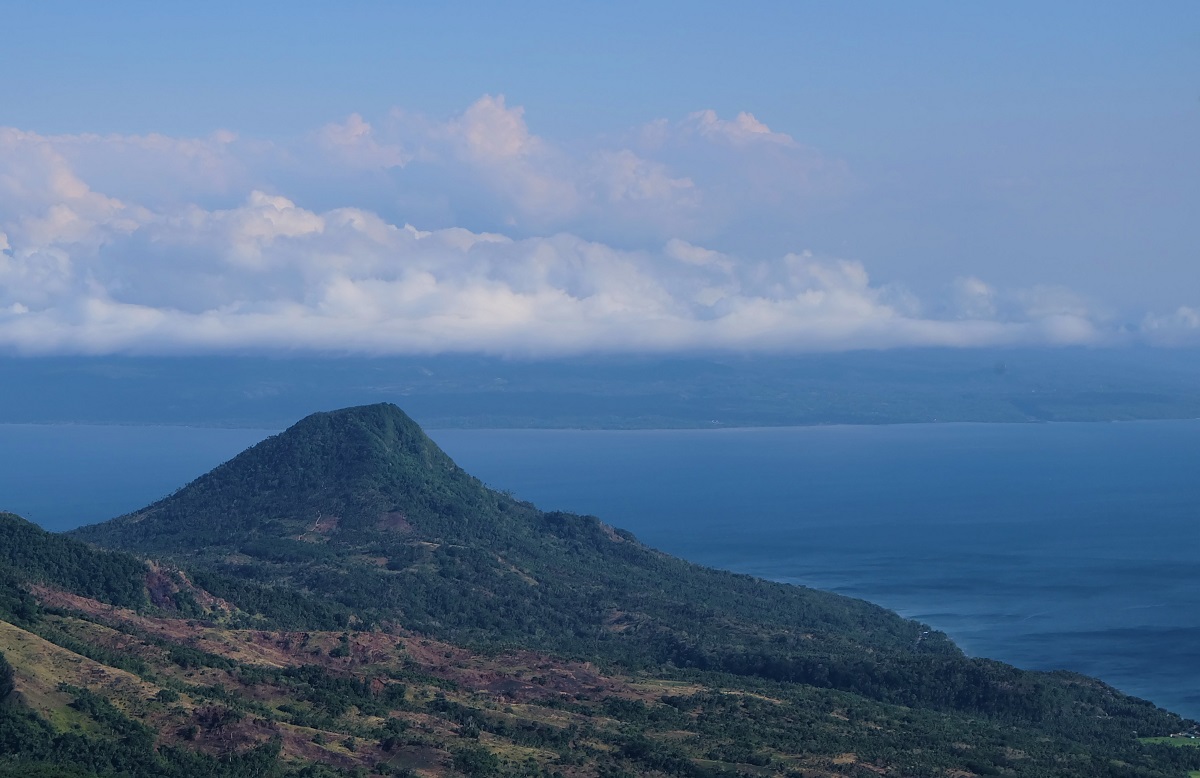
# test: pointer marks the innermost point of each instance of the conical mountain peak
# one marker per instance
(352, 470)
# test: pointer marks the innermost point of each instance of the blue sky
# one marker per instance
(619, 176)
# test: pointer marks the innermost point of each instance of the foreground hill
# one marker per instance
(89, 688)
(147, 675)
(352, 537)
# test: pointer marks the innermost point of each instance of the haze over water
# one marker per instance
(1049, 546)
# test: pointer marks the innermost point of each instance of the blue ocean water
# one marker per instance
(1049, 546)
(63, 476)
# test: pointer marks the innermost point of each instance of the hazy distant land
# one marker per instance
(615, 392)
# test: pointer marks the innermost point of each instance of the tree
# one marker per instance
(6, 678)
(476, 761)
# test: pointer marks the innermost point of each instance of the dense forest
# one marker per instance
(343, 597)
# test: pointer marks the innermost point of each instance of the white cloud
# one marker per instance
(1042, 301)
(742, 173)
(150, 244)
(354, 142)
(697, 255)
(132, 167)
(1178, 328)
(535, 180)
(974, 298)
(493, 133)
(741, 130)
(689, 178)
(625, 177)
(485, 167)
(269, 274)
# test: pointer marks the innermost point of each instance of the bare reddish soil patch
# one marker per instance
(519, 676)
(395, 521)
(324, 526)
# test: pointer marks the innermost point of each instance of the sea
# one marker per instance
(1049, 546)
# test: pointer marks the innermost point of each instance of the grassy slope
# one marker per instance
(412, 703)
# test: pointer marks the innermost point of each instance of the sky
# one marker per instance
(550, 178)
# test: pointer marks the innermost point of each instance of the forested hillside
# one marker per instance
(344, 597)
(361, 507)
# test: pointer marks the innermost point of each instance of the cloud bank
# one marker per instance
(152, 244)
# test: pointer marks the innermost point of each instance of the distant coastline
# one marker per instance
(702, 391)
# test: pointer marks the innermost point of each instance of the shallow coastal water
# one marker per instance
(1048, 546)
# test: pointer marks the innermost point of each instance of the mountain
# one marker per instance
(360, 506)
(344, 595)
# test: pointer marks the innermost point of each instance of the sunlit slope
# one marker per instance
(192, 698)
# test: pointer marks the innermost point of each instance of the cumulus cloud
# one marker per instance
(974, 298)
(1181, 327)
(133, 167)
(693, 178)
(354, 142)
(270, 274)
(214, 244)
(742, 173)
(742, 130)
(624, 177)
(535, 178)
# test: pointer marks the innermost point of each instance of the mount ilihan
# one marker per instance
(343, 598)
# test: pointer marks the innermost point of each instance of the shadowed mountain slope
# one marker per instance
(29, 553)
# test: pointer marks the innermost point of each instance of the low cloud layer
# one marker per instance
(151, 244)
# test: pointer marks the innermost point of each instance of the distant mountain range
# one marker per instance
(343, 599)
(615, 392)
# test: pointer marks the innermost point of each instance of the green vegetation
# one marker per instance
(418, 704)
(29, 747)
(31, 553)
(6, 678)
(17, 605)
(1181, 742)
(400, 531)
(384, 611)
